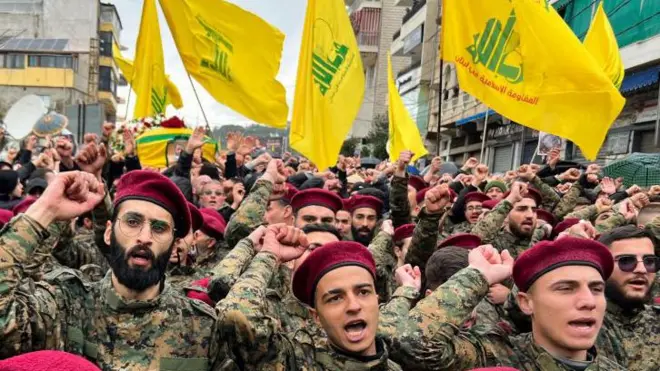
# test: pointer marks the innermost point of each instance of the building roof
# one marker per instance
(35, 45)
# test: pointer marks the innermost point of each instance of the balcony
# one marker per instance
(417, 6)
(459, 107)
(360, 4)
(368, 42)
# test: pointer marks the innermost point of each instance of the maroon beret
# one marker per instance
(403, 231)
(564, 225)
(214, 224)
(417, 182)
(24, 205)
(476, 196)
(364, 201)
(47, 360)
(324, 259)
(195, 217)
(490, 204)
(464, 240)
(421, 194)
(548, 255)
(657, 300)
(546, 216)
(290, 192)
(5, 217)
(316, 197)
(156, 188)
(452, 195)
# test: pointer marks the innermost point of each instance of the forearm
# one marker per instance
(424, 239)
(395, 312)
(567, 202)
(399, 204)
(586, 213)
(550, 197)
(488, 227)
(250, 214)
(229, 270)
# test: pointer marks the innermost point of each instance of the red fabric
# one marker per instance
(417, 182)
(421, 194)
(547, 216)
(318, 197)
(568, 251)
(403, 231)
(201, 295)
(195, 217)
(24, 205)
(657, 300)
(564, 225)
(5, 217)
(452, 195)
(490, 204)
(464, 240)
(47, 360)
(291, 191)
(476, 196)
(324, 259)
(173, 122)
(214, 224)
(364, 201)
(154, 187)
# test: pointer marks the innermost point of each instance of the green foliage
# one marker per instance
(349, 146)
(365, 151)
(378, 136)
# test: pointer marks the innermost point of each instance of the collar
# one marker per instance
(335, 359)
(180, 270)
(117, 303)
(632, 315)
(548, 362)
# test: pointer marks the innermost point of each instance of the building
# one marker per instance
(61, 55)
(508, 144)
(375, 22)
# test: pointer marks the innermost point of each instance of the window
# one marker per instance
(53, 61)
(105, 39)
(15, 61)
(107, 80)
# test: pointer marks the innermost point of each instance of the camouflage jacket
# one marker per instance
(386, 264)
(42, 261)
(204, 264)
(568, 201)
(65, 312)
(81, 252)
(491, 231)
(550, 197)
(250, 214)
(399, 204)
(431, 339)
(180, 276)
(590, 213)
(260, 343)
(424, 240)
(462, 227)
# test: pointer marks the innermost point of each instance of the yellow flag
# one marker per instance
(521, 59)
(330, 83)
(404, 134)
(149, 80)
(233, 54)
(126, 67)
(601, 43)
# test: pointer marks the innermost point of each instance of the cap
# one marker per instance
(290, 192)
(214, 224)
(417, 182)
(362, 201)
(36, 183)
(324, 259)
(5, 217)
(198, 290)
(546, 216)
(195, 217)
(403, 231)
(546, 256)
(476, 196)
(156, 188)
(490, 204)
(564, 225)
(464, 240)
(51, 360)
(495, 184)
(24, 205)
(316, 197)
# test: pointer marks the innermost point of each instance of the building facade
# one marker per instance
(49, 50)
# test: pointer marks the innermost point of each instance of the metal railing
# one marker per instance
(419, 4)
(409, 68)
(368, 38)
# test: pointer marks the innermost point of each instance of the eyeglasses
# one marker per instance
(131, 225)
(217, 193)
(628, 263)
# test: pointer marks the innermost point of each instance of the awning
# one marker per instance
(476, 117)
(640, 79)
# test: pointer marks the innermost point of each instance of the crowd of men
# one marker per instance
(258, 263)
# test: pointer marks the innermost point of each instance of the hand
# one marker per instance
(592, 178)
(480, 174)
(435, 164)
(30, 143)
(570, 175)
(408, 276)
(332, 185)
(628, 210)
(129, 143)
(517, 192)
(107, 129)
(509, 176)
(196, 140)
(257, 237)
(603, 205)
(437, 199)
(238, 192)
(387, 227)
(467, 180)
(553, 158)
(495, 267)
(535, 168)
(233, 139)
(655, 190)
(341, 163)
(618, 182)
(640, 200)
(583, 229)
(246, 146)
(498, 293)
(285, 242)
(402, 163)
(634, 189)
(593, 169)
(44, 161)
(69, 195)
(470, 164)
(263, 159)
(446, 178)
(275, 172)
(607, 186)
(92, 158)
(526, 172)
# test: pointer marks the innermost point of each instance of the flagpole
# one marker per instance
(440, 74)
(208, 127)
(483, 140)
(128, 101)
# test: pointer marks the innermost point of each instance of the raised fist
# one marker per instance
(495, 267)
(408, 276)
(437, 199)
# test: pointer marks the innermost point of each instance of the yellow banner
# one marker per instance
(601, 43)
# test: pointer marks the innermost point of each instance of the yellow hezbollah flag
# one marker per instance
(157, 147)
(149, 80)
(404, 134)
(330, 83)
(601, 43)
(522, 60)
(126, 67)
(233, 54)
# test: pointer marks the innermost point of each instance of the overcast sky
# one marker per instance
(287, 15)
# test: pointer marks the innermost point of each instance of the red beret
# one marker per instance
(364, 201)
(214, 224)
(531, 193)
(156, 188)
(421, 194)
(195, 217)
(476, 196)
(452, 195)
(564, 225)
(324, 259)
(173, 122)
(24, 205)
(316, 197)
(464, 240)
(657, 300)
(417, 182)
(198, 291)
(547, 216)
(548, 255)
(403, 231)
(290, 192)
(490, 204)
(5, 217)
(47, 360)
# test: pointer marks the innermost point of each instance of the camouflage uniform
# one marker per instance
(42, 260)
(386, 264)
(180, 276)
(399, 204)
(654, 228)
(80, 252)
(462, 227)
(431, 339)
(491, 231)
(424, 240)
(204, 263)
(550, 197)
(250, 214)
(64, 312)
(568, 201)
(590, 213)
(260, 344)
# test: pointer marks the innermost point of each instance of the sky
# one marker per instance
(287, 15)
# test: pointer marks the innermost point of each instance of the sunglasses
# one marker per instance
(628, 263)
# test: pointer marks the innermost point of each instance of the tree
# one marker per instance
(365, 151)
(378, 137)
(349, 146)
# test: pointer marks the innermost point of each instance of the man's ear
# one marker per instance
(288, 211)
(108, 233)
(315, 315)
(525, 302)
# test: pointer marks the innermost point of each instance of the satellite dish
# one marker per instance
(22, 116)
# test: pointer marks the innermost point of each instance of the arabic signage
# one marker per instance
(413, 39)
(505, 130)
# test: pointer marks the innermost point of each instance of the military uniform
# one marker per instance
(462, 227)
(424, 240)
(568, 202)
(491, 231)
(180, 276)
(548, 194)
(64, 312)
(250, 214)
(399, 204)
(431, 339)
(590, 213)
(81, 252)
(204, 263)
(386, 264)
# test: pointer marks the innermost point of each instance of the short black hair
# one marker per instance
(210, 170)
(443, 264)
(322, 227)
(626, 232)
